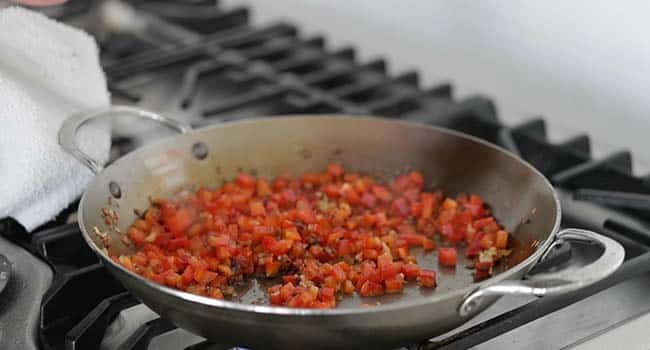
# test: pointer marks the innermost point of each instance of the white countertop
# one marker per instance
(630, 335)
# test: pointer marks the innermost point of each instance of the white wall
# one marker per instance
(585, 65)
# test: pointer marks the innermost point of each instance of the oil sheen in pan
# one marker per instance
(254, 290)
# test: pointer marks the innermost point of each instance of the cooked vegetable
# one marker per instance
(447, 257)
(323, 234)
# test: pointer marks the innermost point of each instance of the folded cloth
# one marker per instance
(48, 72)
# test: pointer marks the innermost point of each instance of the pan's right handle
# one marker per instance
(70, 127)
(554, 283)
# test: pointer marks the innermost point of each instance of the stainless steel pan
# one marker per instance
(519, 195)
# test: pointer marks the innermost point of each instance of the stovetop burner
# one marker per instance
(205, 64)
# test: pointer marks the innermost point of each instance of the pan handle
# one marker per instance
(554, 283)
(70, 127)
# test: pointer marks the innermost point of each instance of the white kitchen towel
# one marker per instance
(48, 71)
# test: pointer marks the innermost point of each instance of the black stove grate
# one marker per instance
(273, 70)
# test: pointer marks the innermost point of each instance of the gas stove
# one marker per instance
(205, 64)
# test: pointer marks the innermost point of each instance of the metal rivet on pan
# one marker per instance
(115, 190)
(200, 150)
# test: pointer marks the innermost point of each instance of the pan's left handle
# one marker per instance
(70, 127)
(554, 283)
